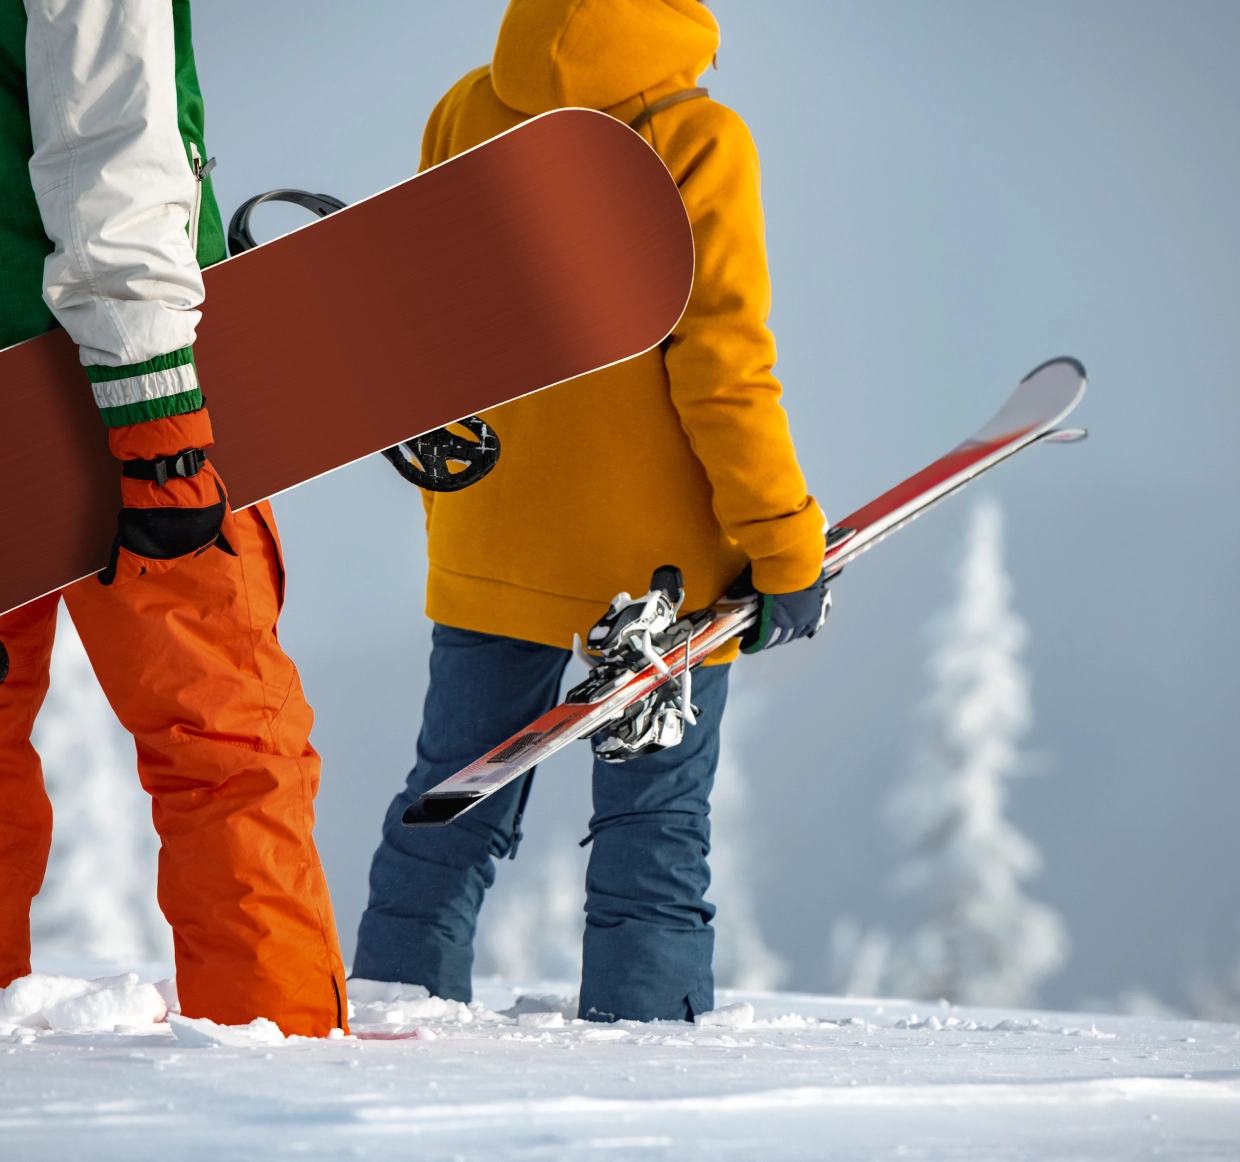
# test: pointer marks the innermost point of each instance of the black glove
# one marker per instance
(784, 617)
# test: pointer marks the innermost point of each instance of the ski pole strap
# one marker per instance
(666, 103)
(516, 819)
(188, 462)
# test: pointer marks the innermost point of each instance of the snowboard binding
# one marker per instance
(239, 237)
(428, 460)
(633, 634)
(439, 461)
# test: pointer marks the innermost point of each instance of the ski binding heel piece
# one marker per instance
(630, 620)
(633, 634)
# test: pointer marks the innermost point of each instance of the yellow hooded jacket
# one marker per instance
(679, 456)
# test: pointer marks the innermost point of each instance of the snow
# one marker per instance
(376, 1002)
(767, 1075)
(199, 1033)
(735, 1016)
(70, 1004)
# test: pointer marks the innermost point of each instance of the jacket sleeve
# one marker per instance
(721, 355)
(116, 194)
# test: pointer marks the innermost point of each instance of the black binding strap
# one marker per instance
(517, 834)
(426, 460)
(666, 103)
(186, 463)
(239, 237)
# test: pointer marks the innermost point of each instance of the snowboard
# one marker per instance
(557, 248)
(1030, 415)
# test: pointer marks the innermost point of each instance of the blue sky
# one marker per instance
(954, 193)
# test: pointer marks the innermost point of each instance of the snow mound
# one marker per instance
(69, 1004)
(566, 1006)
(737, 1016)
(390, 1003)
(541, 1020)
(199, 1033)
(1007, 1025)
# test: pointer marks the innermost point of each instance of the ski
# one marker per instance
(657, 665)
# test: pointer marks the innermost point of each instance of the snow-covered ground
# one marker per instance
(806, 1077)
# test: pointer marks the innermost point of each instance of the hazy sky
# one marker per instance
(954, 192)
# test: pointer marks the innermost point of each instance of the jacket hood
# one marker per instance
(597, 53)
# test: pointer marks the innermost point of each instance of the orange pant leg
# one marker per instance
(25, 811)
(190, 663)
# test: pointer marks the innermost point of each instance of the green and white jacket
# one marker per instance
(106, 215)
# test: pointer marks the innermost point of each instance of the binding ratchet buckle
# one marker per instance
(186, 463)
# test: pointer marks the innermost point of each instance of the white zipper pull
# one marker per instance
(201, 169)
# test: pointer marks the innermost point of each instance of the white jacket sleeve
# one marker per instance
(116, 192)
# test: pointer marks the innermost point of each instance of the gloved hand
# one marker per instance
(175, 506)
(785, 617)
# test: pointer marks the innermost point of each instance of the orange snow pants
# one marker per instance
(191, 664)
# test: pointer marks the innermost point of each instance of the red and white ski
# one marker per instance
(1045, 396)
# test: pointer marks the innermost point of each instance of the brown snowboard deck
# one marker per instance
(557, 248)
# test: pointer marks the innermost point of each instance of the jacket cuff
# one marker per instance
(154, 389)
(165, 436)
(787, 553)
(789, 572)
(797, 565)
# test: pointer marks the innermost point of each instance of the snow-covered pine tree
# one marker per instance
(984, 941)
(742, 957)
(98, 898)
(532, 922)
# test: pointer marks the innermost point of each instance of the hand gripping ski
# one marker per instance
(641, 654)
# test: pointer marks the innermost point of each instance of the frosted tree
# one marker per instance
(98, 898)
(857, 958)
(742, 956)
(984, 941)
(1213, 997)
(532, 922)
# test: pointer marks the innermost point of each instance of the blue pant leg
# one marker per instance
(427, 883)
(648, 940)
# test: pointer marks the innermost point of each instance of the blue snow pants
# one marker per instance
(648, 938)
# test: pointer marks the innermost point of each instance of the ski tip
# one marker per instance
(438, 810)
(1075, 364)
